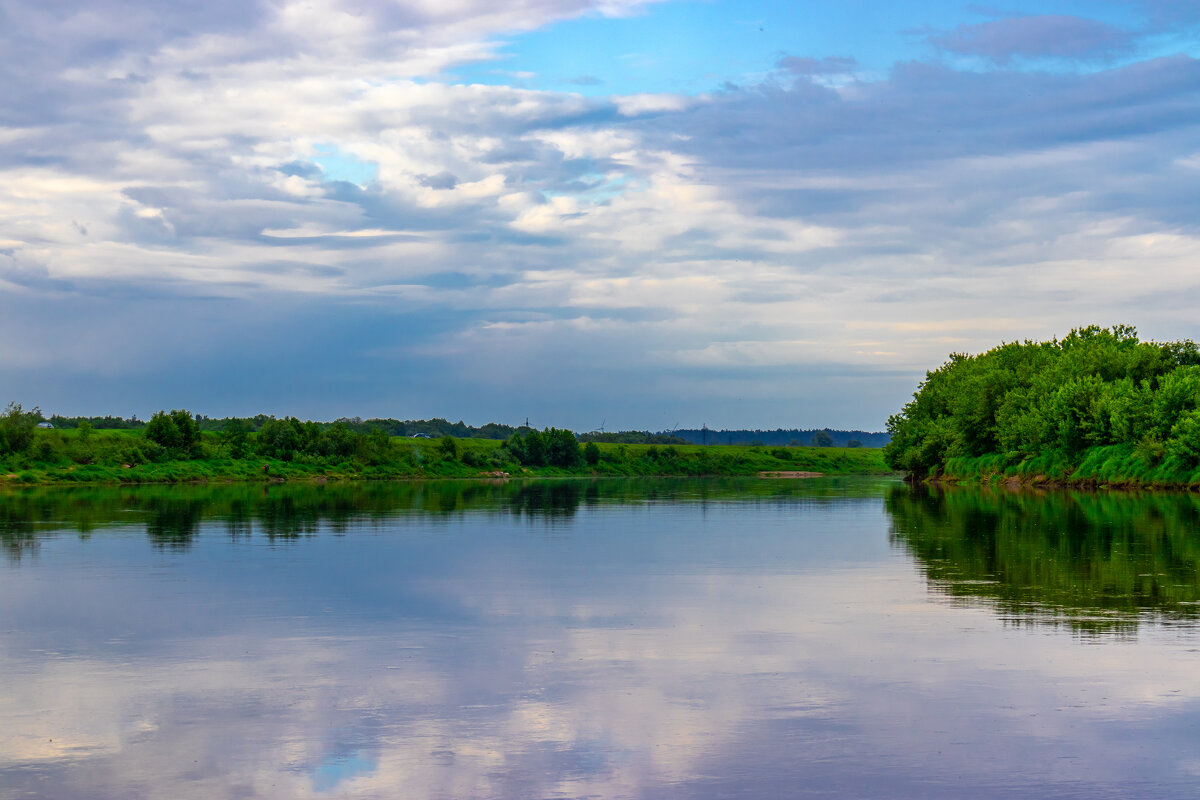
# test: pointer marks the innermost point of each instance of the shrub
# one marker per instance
(449, 448)
(17, 428)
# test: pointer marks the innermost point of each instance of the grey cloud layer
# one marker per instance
(725, 254)
(1049, 35)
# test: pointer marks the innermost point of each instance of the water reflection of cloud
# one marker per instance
(547, 684)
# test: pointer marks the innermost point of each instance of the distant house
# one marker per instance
(46, 425)
(420, 436)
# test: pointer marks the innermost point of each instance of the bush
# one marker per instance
(17, 428)
(449, 448)
(549, 448)
(176, 431)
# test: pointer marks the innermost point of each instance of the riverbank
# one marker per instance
(1111, 466)
(409, 459)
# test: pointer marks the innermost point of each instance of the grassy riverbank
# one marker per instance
(1110, 465)
(115, 457)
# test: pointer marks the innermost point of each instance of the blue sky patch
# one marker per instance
(337, 165)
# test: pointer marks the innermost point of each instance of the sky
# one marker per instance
(585, 213)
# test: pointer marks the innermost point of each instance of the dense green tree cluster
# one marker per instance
(178, 431)
(289, 438)
(549, 448)
(1095, 387)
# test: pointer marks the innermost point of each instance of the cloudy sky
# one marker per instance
(642, 214)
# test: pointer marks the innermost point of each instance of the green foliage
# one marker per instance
(339, 441)
(17, 428)
(177, 431)
(449, 448)
(280, 438)
(1184, 443)
(822, 439)
(548, 448)
(377, 447)
(295, 450)
(1052, 403)
(236, 438)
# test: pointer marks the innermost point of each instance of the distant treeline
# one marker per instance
(434, 428)
(1097, 406)
(630, 437)
(438, 427)
(787, 437)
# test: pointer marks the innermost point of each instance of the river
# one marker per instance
(841, 638)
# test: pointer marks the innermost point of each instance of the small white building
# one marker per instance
(46, 425)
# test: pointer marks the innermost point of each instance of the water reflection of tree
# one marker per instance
(551, 500)
(1097, 562)
(25, 515)
(17, 540)
(173, 516)
(173, 522)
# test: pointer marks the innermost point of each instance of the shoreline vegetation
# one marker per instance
(174, 447)
(1096, 409)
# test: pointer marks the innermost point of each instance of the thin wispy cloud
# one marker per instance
(1035, 37)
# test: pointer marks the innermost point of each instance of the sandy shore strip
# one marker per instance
(786, 474)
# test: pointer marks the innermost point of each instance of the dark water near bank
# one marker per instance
(643, 639)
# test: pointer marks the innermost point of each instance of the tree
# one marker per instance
(17, 428)
(279, 438)
(449, 448)
(378, 446)
(162, 430)
(591, 454)
(551, 447)
(822, 439)
(341, 441)
(189, 429)
(176, 431)
(236, 437)
(562, 448)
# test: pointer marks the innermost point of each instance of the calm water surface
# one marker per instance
(673, 639)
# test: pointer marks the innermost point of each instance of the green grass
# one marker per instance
(1109, 465)
(114, 457)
